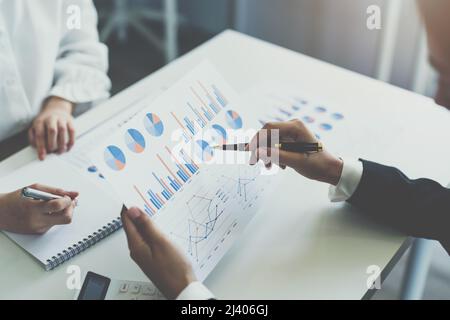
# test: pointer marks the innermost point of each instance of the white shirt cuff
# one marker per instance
(351, 176)
(195, 291)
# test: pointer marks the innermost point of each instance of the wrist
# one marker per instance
(189, 279)
(334, 170)
(57, 103)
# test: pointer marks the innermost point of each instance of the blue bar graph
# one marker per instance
(148, 210)
(191, 168)
(214, 108)
(220, 98)
(154, 199)
(165, 195)
(207, 114)
(190, 125)
(200, 120)
(162, 184)
(174, 184)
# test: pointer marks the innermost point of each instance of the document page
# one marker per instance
(163, 161)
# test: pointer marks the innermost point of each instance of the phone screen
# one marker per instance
(94, 287)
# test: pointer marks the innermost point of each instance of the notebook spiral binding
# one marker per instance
(82, 245)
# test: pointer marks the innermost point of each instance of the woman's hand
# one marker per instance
(53, 130)
(157, 257)
(23, 215)
(321, 166)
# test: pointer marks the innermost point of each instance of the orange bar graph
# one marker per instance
(144, 199)
(168, 169)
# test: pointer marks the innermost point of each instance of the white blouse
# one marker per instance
(46, 51)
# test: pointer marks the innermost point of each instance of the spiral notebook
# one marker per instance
(96, 216)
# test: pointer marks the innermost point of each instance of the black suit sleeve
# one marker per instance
(420, 208)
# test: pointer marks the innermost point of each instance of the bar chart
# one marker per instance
(200, 204)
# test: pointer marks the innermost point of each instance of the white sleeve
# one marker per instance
(81, 66)
(195, 291)
(351, 176)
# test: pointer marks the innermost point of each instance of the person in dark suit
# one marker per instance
(419, 208)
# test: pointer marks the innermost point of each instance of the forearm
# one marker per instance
(420, 208)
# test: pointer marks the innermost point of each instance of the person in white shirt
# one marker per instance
(383, 193)
(51, 60)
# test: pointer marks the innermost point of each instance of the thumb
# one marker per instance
(145, 226)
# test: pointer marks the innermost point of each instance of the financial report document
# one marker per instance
(158, 155)
(161, 159)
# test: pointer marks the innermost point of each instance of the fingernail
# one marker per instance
(133, 213)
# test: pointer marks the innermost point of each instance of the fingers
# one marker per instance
(134, 239)
(54, 206)
(60, 217)
(31, 137)
(39, 135)
(268, 156)
(52, 135)
(291, 159)
(71, 131)
(146, 228)
(293, 130)
(51, 126)
(280, 157)
(62, 136)
(55, 191)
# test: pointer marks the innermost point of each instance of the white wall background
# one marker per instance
(335, 31)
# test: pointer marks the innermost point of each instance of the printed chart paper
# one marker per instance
(162, 160)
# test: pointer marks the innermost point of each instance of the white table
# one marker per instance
(300, 246)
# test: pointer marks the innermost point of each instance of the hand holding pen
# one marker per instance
(297, 147)
(35, 209)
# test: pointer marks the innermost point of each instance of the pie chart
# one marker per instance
(308, 119)
(114, 158)
(135, 141)
(321, 109)
(203, 150)
(153, 124)
(337, 116)
(234, 120)
(326, 126)
(219, 134)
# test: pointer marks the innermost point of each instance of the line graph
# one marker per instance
(201, 230)
(212, 212)
(200, 204)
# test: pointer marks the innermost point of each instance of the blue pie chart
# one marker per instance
(321, 109)
(326, 126)
(308, 119)
(135, 141)
(153, 124)
(234, 120)
(337, 116)
(219, 134)
(114, 158)
(203, 150)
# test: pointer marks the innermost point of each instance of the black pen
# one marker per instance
(297, 147)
